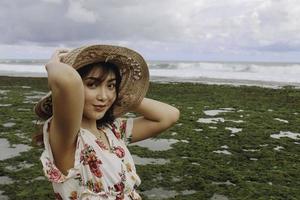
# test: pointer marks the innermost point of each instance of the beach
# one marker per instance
(262, 74)
(233, 141)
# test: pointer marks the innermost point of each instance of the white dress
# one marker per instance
(98, 173)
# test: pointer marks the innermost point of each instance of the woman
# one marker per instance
(85, 139)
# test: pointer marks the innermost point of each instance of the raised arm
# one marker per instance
(67, 99)
(156, 117)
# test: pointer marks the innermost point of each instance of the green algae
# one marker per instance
(254, 168)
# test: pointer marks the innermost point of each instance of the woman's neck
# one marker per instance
(89, 124)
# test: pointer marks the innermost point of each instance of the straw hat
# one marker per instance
(133, 70)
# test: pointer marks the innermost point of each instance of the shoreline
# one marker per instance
(201, 80)
(232, 82)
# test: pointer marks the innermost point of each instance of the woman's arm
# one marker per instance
(156, 117)
(67, 100)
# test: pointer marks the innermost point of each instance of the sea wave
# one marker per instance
(288, 73)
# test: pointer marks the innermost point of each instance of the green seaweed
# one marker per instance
(194, 166)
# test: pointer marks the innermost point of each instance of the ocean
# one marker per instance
(236, 73)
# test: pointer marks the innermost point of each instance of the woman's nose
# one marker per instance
(102, 94)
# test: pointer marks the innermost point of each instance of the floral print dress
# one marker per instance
(99, 172)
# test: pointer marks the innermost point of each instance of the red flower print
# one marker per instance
(95, 169)
(123, 127)
(119, 187)
(73, 195)
(54, 174)
(119, 151)
(120, 196)
(57, 196)
(116, 132)
(97, 187)
(88, 157)
(101, 144)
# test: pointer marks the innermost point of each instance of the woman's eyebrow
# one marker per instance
(92, 78)
(111, 80)
(96, 79)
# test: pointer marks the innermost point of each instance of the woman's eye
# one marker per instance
(112, 86)
(91, 85)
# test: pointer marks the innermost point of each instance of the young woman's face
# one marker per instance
(99, 95)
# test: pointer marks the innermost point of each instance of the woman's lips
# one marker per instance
(100, 107)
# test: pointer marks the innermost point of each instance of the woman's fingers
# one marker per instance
(61, 51)
(59, 54)
(62, 55)
(64, 50)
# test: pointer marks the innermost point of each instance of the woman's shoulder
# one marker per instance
(121, 128)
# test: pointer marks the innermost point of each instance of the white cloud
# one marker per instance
(79, 13)
(53, 1)
(170, 27)
(25, 51)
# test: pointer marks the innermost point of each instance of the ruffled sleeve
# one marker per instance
(122, 129)
(50, 170)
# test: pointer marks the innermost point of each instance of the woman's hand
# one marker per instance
(155, 117)
(58, 72)
(58, 55)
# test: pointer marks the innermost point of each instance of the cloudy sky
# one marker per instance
(205, 30)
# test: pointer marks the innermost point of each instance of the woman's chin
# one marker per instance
(95, 115)
(99, 116)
